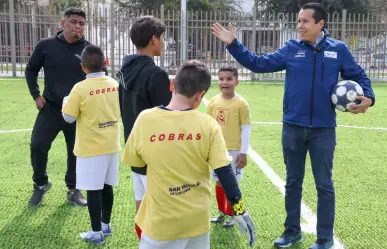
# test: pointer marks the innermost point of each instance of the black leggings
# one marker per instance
(100, 205)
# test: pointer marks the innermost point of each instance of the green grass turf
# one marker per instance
(359, 175)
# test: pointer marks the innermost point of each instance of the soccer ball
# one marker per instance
(344, 95)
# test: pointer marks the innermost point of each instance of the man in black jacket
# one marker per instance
(60, 58)
(143, 85)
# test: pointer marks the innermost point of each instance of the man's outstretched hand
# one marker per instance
(226, 36)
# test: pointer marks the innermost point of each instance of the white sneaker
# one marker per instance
(106, 229)
(94, 237)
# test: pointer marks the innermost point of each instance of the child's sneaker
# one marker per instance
(106, 229)
(94, 237)
(228, 221)
(217, 219)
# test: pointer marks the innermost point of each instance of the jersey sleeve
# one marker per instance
(131, 155)
(245, 117)
(218, 155)
(73, 105)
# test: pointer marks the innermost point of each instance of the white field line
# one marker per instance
(345, 126)
(10, 131)
(259, 123)
(306, 212)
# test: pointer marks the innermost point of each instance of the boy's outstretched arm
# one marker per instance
(230, 185)
(71, 106)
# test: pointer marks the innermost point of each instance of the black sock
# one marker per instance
(107, 203)
(94, 204)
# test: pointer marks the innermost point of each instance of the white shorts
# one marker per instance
(237, 171)
(95, 171)
(139, 185)
(198, 242)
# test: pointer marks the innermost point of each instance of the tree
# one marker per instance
(63, 4)
(194, 5)
(332, 6)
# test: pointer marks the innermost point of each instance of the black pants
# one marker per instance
(47, 126)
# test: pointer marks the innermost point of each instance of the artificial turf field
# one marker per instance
(360, 178)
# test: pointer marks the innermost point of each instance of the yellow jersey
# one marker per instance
(179, 149)
(94, 103)
(230, 114)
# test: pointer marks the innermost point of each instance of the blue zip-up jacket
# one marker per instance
(311, 74)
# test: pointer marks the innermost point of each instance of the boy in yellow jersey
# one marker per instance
(180, 145)
(232, 112)
(93, 103)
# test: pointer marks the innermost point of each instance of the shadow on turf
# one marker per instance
(22, 232)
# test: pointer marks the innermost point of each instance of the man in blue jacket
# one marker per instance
(312, 65)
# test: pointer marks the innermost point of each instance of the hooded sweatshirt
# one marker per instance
(143, 85)
(61, 62)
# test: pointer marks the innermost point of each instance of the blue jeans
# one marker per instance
(321, 143)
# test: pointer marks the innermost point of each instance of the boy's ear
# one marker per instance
(105, 63)
(237, 82)
(84, 68)
(201, 95)
(154, 39)
(172, 85)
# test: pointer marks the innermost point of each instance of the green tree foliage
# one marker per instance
(293, 6)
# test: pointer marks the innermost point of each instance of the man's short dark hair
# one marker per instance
(231, 69)
(93, 58)
(144, 29)
(193, 77)
(319, 12)
(74, 11)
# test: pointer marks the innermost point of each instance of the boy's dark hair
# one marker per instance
(144, 29)
(93, 58)
(74, 11)
(319, 12)
(193, 77)
(231, 69)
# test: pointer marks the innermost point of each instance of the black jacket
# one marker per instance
(61, 64)
(143, 85)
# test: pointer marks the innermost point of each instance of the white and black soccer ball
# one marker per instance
(344, 95)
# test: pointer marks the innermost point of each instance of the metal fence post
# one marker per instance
(13, 36)
(254, 35)
(344, 26)
(183, 31)
(112, 40)
(162, 57)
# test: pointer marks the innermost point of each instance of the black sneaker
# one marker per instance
(217, 219)
(75, 197)
(228, 221)
(36, 198)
